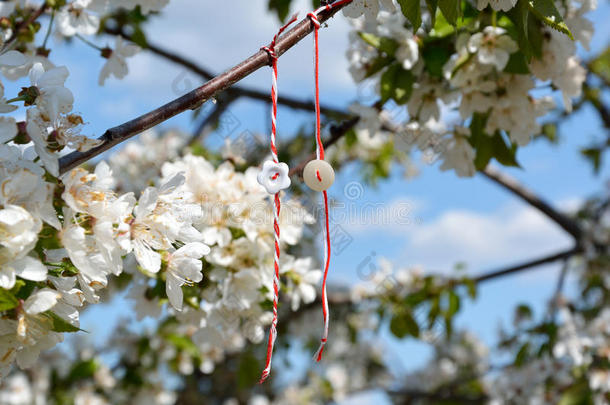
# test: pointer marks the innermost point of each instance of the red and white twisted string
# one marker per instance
(313, 16)
(320, 156)
(276, 211)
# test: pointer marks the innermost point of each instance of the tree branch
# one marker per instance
(414, 397)
(32, 17)
(512, 185)
(236, 91)
(195, 98)
(212, 118)
(336, 133)
(533, 263)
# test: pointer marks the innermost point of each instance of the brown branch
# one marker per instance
(527, 265)
(342, 297)
(221, 106)
(32, 17)
(415, 396)
(195, 98)
(237, 91)
(512, 185)
(336, 133)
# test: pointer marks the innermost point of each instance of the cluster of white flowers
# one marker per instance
(64, 236)
(195, 211)
(474, 80)
(76, 18)
(98, 229)
(236, 219)
(83, 17)
(98, 384)
(580, 346)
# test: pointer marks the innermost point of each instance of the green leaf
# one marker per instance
(237, 233)
(453, 304)
(351, 138)
(23, 289)
(504, 153)
(488, 147)
(529, 34)
(184, 344)
(448, 326)
(386, 85)
(517, 63)
(450, 9)
(524, 312)
(549, 131)
(601, 65)
(578, 394)
(480, 141)
(397, 84)
(139, 37)
(441, 27)
(403, 324)
(59, 324)
(546, 12)
(378, 64)
(281, 7)
(412, 10)
(435, 55)
(522, 354)
(248, 371)
(83, 370)
(383, 44)
(471, 286)
(7, 300)
(593, 155)
(403, 86)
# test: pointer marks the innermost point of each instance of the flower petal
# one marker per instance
(41, 301)
(13, 58)
(30, 269)
(174, 291)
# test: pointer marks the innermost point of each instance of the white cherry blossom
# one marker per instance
(184, 267)
(53, 97)
(116, 63)
(76, 18)
(492, 46)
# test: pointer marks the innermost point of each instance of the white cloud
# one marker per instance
(509, 235)
(512, 234)
(361, 217)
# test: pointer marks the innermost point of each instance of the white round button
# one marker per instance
(318, 175)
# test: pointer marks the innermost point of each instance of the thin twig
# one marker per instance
(336, 133)
(195, 98)
(222, 104)
(527, 265)
(557, 296)
(414, 396)
(33, 17)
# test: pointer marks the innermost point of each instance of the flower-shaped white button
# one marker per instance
(274, 177)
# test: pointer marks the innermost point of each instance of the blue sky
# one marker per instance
(451, 220)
